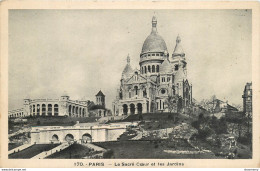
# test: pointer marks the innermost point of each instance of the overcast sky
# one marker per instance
(83, 51)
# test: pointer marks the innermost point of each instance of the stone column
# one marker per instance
(144, 107)
(52, 109)
(129, 110)
(40, 109)
(136, 109)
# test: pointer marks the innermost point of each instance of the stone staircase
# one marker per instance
(20, 148)
(52, 151)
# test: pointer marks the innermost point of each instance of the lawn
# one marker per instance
(13, 145)
(51, 121)
(75, 151)
(146, 150)
(32, 151)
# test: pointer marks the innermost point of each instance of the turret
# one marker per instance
(128, 71)
(178, 60)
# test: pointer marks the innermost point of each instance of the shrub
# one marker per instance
(195, 124)
(108, 154)
(204, 133)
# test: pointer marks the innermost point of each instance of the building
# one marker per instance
(17, 113)
(80, 132)
(198, 109)
(247, 99)
(62, 106)
(99, 109)
(219, 106)
(160, 76)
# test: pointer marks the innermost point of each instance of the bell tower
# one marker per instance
(100, 99)
(178, 57)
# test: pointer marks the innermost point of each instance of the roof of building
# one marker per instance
(154, 42)
(100, 93)
(166, 67)
(178, 50)
(94, 107)
(248, 86)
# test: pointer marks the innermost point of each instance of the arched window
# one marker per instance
(80, 111)
(157, 68)
(145, 69)
(38, 109)
(43, 109)
(149, 68)
(136, 90)
(130, 94)
(120, 95)
(176, 67)
(153, 68)
(83, 112)
(144, 93)
(77, 110)
(56, 110)
(33, 110)
(49, 109)
(70, 110)
(73, 110)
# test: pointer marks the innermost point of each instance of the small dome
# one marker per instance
(178, 50)
(128, 71)
(154, 42)
(166, 67)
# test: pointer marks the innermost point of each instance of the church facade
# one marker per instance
(160, 85)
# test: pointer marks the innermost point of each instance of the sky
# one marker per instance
(83, 51)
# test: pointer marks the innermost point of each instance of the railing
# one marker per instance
(52, 151)
(44, 100)
(151, 58)
(46, 128)
(20, 148)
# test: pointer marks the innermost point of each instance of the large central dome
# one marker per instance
(154, 42)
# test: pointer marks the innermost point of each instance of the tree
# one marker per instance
(171, 103)
(238, 106)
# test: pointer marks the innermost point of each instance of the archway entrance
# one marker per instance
(125, 109)
(86, 138)
(69, 138)
(132, 109)
(55, 138)
(139, 108)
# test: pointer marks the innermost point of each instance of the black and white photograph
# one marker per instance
(130, 84)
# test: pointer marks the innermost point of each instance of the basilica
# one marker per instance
(160, 85)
